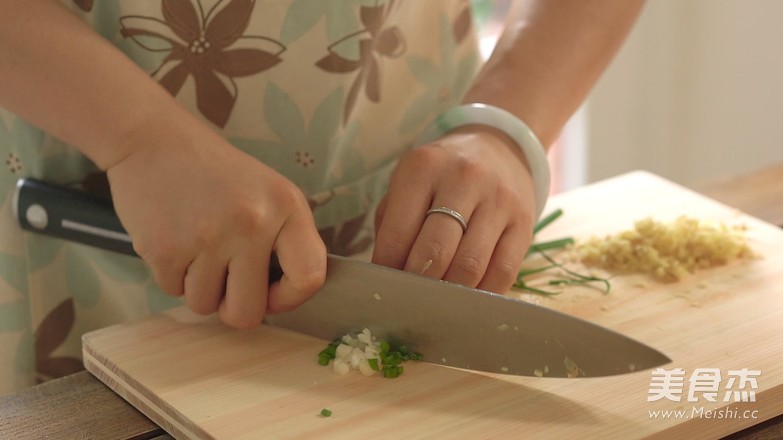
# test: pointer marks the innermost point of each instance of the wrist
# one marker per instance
(504, 126)
(491, 137)
(158, 131)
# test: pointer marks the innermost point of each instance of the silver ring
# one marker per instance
(451, 213)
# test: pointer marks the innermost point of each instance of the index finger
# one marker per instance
(302, 257)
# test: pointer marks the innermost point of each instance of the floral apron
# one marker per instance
(329, 93)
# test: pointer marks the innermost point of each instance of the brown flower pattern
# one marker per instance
(462, 24)
(50, 335)
(375, 41)
(346, 238)
(14, 163)
(84, 5)
(209, 46)
(304, 158)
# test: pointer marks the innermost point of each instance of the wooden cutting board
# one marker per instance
(198, 379)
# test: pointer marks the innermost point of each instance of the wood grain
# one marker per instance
(758, 193)
(198, 379)
(77, 407)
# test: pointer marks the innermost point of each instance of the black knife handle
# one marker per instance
(70, 214)
(79, 216)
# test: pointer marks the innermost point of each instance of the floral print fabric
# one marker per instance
(329, 93)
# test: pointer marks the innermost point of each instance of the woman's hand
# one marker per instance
(206, 217)
(478, 172)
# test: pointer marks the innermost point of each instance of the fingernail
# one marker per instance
(426, 266)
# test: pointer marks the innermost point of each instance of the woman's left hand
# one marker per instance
(478, 172)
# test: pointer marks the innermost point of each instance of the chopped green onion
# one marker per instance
(544, 222)
(585, 279)
(326, 412)
(526, 272)
(328, 353)
(392, 372)
(549, 245)
(389, 360)
(570, 277)
(522, 285)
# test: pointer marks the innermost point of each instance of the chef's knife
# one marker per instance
(450, 324)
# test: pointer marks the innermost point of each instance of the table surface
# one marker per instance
(79, 406)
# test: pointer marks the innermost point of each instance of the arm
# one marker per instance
(546, 61)
(60, 75)
(549, 56)
(202, 214)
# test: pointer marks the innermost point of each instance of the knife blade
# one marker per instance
(450, 324)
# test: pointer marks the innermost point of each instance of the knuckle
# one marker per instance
(470, 169)
(170, 289)
(291, 199)
(309, 281)
(241, 319)
(200, 299)
(153, 251)
(199, 307)
(426, 154)
(287, 192)
(171, 286)
(524, 218)
(505, 196)
(470, 267)
(162, 261)
(431, 250)
(392, 241)
(419, 160)
(248, 221)
(205, 234)
(506, 271)
(518, 211)
(160, 249)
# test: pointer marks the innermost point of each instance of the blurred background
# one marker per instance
(695, 93)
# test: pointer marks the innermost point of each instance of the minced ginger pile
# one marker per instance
(667, 251)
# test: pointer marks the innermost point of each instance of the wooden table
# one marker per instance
(79, 406)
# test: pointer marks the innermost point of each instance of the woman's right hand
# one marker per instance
(206, 218)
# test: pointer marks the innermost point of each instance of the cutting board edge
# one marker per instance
(138, 395)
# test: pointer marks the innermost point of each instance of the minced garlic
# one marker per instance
(667, 251)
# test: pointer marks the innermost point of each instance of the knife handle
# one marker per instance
(81, 217)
